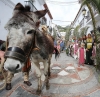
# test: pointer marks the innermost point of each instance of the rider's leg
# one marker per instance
(26, 78)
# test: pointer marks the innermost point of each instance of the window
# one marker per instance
(81, 22)
(88, 16)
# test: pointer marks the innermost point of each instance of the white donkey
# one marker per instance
(25, 40)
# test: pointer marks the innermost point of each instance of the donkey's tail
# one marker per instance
(56, 53)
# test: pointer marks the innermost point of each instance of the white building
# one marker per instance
(39, 5)
(58, 34)
(6, 10)
(86, 21)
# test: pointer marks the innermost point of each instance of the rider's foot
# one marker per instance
(27, 83)
(8, 86)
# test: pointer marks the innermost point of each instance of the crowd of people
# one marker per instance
(84, 50)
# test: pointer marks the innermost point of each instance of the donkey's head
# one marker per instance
(22, 28)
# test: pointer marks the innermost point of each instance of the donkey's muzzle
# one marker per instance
(15, 53)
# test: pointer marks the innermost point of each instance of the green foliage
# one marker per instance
(67, 33)
(76, 31)
(96, 4)
(83, 31)
(62, 29)
(98, 58)
(98, 36)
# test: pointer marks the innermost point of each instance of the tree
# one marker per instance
(67, 34)
(76, 31)
(83, 31)
(96, 4)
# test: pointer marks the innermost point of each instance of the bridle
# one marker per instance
(18, 53)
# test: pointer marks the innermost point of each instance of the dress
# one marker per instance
(81, 55)
(89, 42)
(58, 47)
(75, 46)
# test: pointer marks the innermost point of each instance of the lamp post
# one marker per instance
(84, 13)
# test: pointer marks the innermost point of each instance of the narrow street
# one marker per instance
(67, 80)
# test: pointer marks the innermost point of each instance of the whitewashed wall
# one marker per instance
(85, 23)
(6, 10)
(39, 6)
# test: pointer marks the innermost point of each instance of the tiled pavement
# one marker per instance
(67, 80)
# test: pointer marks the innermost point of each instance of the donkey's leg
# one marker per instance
(39, 86)
(49, 73)
(49, 63)
(38, 73)
(46, 65)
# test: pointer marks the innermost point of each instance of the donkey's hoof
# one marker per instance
(49, 74)
(47, 87)
(38, 92)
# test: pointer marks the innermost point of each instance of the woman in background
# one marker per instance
(81, 55)
(89, 42)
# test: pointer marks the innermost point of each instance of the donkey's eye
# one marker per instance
(30, 32)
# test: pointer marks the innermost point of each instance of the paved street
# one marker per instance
(67, 80)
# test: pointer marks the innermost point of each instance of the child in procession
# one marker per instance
(81, 55)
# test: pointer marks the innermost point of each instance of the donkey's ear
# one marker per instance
(41, 13)
(19, 7)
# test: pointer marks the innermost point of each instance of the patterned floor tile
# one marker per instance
(63, 73)
(80, 69)
(70, 67)
(75, 76)
(67, 80)
(61, 80)
(56, 67)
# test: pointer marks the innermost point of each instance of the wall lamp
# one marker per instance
(84, 12)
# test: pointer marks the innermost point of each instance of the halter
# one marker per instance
(18, 53)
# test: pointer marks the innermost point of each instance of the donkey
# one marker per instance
(26, 40)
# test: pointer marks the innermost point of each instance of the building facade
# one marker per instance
(40, 5)
(84, 19)
(6, 10)
(7, 6)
